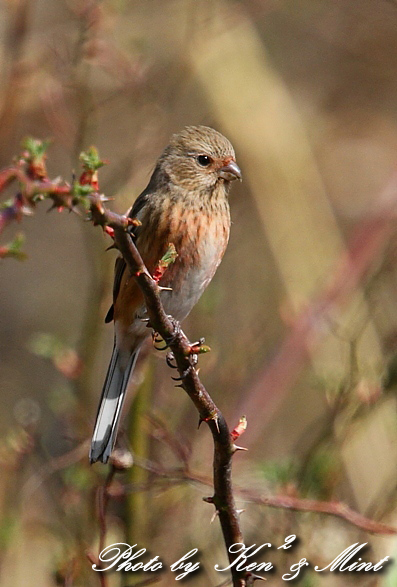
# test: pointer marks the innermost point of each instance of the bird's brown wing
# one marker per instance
(119, 269)
(120, 264)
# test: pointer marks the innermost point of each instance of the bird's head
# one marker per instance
(198, 159)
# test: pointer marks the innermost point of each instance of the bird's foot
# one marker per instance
(193, 360)
(176, 331)
(170, 360)
(157, 340)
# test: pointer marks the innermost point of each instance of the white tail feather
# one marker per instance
(110, 406)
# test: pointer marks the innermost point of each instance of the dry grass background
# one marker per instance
(307, 92)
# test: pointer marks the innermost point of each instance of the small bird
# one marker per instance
(186, 204)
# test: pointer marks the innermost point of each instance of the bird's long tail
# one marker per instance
(110, 406)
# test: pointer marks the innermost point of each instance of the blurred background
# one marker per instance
(301, 316)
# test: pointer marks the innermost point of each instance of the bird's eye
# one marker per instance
(204, 160)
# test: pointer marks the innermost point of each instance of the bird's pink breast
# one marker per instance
(200, 240)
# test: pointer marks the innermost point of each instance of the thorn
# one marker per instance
(237, 448)
(162, 288)
(216, 423)
(252, 577)
(215, 514)
(201, 420)
(214, 418)
(111, 247)
(179, 385)
(142, 319)
(239, 512)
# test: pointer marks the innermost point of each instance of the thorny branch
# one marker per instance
(34, 186)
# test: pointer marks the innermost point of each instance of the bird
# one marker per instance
(184, 204)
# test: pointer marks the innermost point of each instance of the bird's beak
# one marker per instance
(230, 171)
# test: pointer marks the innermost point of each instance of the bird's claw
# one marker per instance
(184, 374)
(193, 360)
(176, 330)
(157, 340)
(170, 339)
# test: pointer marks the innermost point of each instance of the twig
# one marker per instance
(331, 508)
(178, 448)
(53, 465)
